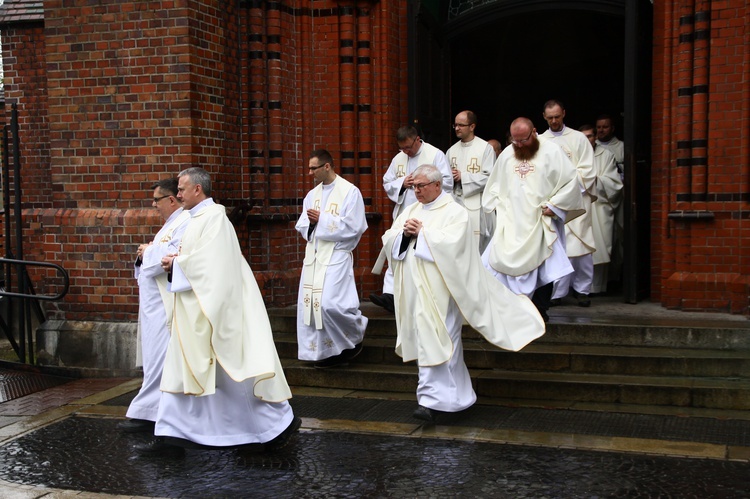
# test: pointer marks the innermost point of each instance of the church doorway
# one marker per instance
(506, 58)
(512, 66)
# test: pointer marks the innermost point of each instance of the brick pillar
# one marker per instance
(348, 93)
(699, 110)
(367, 174)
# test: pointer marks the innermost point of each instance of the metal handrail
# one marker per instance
(61, 271)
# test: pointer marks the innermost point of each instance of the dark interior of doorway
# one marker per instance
(511, 66)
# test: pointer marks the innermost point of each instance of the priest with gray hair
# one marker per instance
(439, 282)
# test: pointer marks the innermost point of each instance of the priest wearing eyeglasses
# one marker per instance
(330, 325)
(397, 182)
(154, 305)
(438, 282)
(471, 160)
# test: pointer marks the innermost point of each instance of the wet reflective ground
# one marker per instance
(89, 454)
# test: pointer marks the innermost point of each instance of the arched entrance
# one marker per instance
(506, 58)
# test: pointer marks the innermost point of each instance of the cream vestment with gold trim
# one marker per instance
(219, 316)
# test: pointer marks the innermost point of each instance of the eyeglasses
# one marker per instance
(156, 200)
(422, 186)
(519, 142)
(410, 145)
(460, 125)
(313, 168)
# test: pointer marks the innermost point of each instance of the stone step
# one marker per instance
(591, 359)
(630, 331)
(656, 363)
(711, 393)
(355, 376)
(689, 392)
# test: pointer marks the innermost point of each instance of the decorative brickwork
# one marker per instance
(701, 170)
(115, 94)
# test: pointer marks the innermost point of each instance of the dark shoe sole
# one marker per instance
(158, 448)
(425, 414)
(353, 352)
(136, 426)
(341, 359)
(284, 438)
(383, 303)
(328, 364)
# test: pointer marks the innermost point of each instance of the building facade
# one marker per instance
(113, 95)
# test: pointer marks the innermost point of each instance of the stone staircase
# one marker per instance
(627, 363)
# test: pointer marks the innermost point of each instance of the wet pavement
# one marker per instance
(58, 439)
(89, 454)
(354, 446)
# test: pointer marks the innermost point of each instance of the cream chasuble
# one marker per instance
(220, 316)
(616, 147)
(579, 236)
(318, 252)
(609, 193)
(450, 267)
(518, 190)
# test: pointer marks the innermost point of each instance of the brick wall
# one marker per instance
(701, 171)
(324, 77)
(25, 86)
(114, 95)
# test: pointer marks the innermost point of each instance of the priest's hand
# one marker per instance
(408, 181)
(141, 249)
(456, 175)
(412, 227)
(313, 215)
(547, 212)
(166, 262)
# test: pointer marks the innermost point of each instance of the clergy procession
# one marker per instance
(482, 235)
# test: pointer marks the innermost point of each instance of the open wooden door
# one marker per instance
(637, 136)
(429, 76)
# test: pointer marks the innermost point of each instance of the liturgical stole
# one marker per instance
(318, 253)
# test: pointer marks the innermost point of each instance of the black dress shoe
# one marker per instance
(335, 361)
(282, 440)
(425, 414)
(341, 359)
(158, 447)
(583, 300)
(352, 352)
(136, 426)
(385, 300)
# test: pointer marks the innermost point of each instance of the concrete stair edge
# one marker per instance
(665, 336)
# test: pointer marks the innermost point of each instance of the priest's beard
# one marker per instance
(528, 152)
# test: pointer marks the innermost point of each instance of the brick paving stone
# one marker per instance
(16, 383)
(39, 402)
